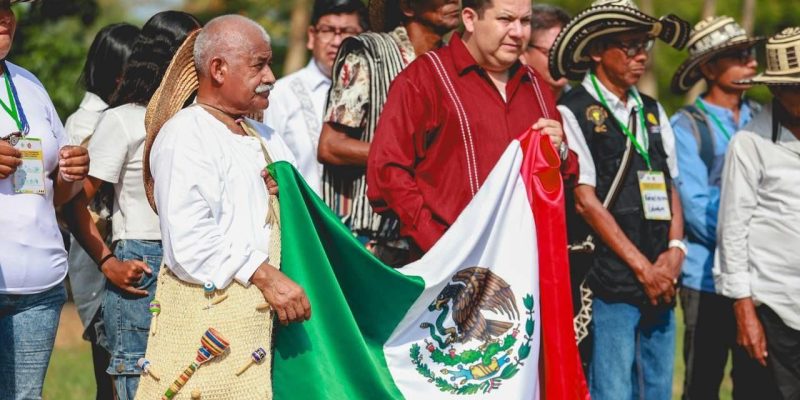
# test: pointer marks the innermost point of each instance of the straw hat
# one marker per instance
(783, 60)
(709, 38)
(569, 56)
(384, 15)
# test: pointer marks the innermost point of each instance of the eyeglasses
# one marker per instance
(742, 55)
(632, 48)
(326, 32)
(542, 49)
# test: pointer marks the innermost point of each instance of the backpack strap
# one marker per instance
(702, 133)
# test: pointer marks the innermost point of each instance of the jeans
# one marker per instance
(710, 336)
(127, 317)
(633, 352)
(28, 325)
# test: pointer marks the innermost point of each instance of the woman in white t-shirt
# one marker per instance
(101, 75)
(37, 171)
(118, 144)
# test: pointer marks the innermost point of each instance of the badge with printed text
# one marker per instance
(655, 200)
(598, 116)
(29, 177)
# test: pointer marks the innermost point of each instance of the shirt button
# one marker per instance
(120, 368)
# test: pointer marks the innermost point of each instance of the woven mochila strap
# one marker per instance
(274, 213)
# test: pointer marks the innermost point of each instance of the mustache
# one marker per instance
(264, 87)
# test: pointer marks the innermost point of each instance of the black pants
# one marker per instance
(710, 336)
(783, 346)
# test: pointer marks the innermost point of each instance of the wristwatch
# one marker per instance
(675, 243)
(563, 151)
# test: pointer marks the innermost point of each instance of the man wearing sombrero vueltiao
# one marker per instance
(626, 150)
(758, 263)
(720, 53)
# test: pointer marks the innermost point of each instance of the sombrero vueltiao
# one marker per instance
(709, 38)
(569, 56)
(384, 15)
(783, 60)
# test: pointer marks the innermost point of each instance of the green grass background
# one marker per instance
(70, 376)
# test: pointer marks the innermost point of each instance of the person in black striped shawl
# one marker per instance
(363, 70)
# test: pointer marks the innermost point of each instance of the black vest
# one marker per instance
(608, 276)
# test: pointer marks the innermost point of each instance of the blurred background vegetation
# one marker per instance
(54, 35)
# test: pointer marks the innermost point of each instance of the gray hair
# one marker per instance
(546, 16)
(223, 35)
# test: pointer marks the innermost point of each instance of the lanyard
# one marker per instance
(14, 110)
(642, 150)
(717, 122)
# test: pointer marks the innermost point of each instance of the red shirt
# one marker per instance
(418, 166)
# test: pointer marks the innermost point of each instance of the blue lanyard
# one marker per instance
(22, 122)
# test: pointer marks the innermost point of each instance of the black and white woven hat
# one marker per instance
(783, 60)
(569, 56)
(709, 38)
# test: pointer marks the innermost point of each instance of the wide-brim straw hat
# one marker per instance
(384, 15)
(783, 60)
(569, 56)
(709, 38)
(177, 86)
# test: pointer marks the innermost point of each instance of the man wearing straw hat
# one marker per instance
(720, 53)
(364, 68)
(218, 219)
(758, 264)
(625, 194)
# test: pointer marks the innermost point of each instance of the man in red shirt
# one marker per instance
(452, 113)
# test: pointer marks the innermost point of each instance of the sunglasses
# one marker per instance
(633, 47)
(742, 55)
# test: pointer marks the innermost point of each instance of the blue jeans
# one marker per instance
(633, 352)
(28, 325)
(127, 317)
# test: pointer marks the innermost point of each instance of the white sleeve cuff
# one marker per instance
(249, 268)
(734, 285)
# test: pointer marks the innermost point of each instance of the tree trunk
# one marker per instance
(748, 15)
(649, 84)
(296, 50)
(709, 9)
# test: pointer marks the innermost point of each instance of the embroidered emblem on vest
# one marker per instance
(598, 116)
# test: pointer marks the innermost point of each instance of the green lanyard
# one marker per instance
(642, 150)
(717, 122)
(12, 109)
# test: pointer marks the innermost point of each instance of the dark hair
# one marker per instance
(327, 7)
(152, 52)
(107, 56)
(477, 5)
(546, 16)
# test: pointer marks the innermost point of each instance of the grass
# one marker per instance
(70, 376)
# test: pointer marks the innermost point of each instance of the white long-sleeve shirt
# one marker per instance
(211, 198)
(759, 220)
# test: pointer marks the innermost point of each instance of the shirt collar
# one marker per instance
(612, 99)
(745, 113)
(463, 60)
(93, 102)
(314, 76)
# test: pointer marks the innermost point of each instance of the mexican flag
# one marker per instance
(485, 313)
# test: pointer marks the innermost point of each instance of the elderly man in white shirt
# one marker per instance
(298, 100)
(758, 264)
(209, 190)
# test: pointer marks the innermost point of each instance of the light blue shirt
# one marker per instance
(699, 189)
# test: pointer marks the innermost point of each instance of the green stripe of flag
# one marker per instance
(356, 303)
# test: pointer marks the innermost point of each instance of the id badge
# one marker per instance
(655, 200)
(29, 177)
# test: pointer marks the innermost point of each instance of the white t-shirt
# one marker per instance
(32, 255)
(211, 198)
(116, 150)
(81, 123)
(295, 112)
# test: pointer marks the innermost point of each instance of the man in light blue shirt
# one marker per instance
(720, 53)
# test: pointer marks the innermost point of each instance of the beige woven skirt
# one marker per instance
(173, 344)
